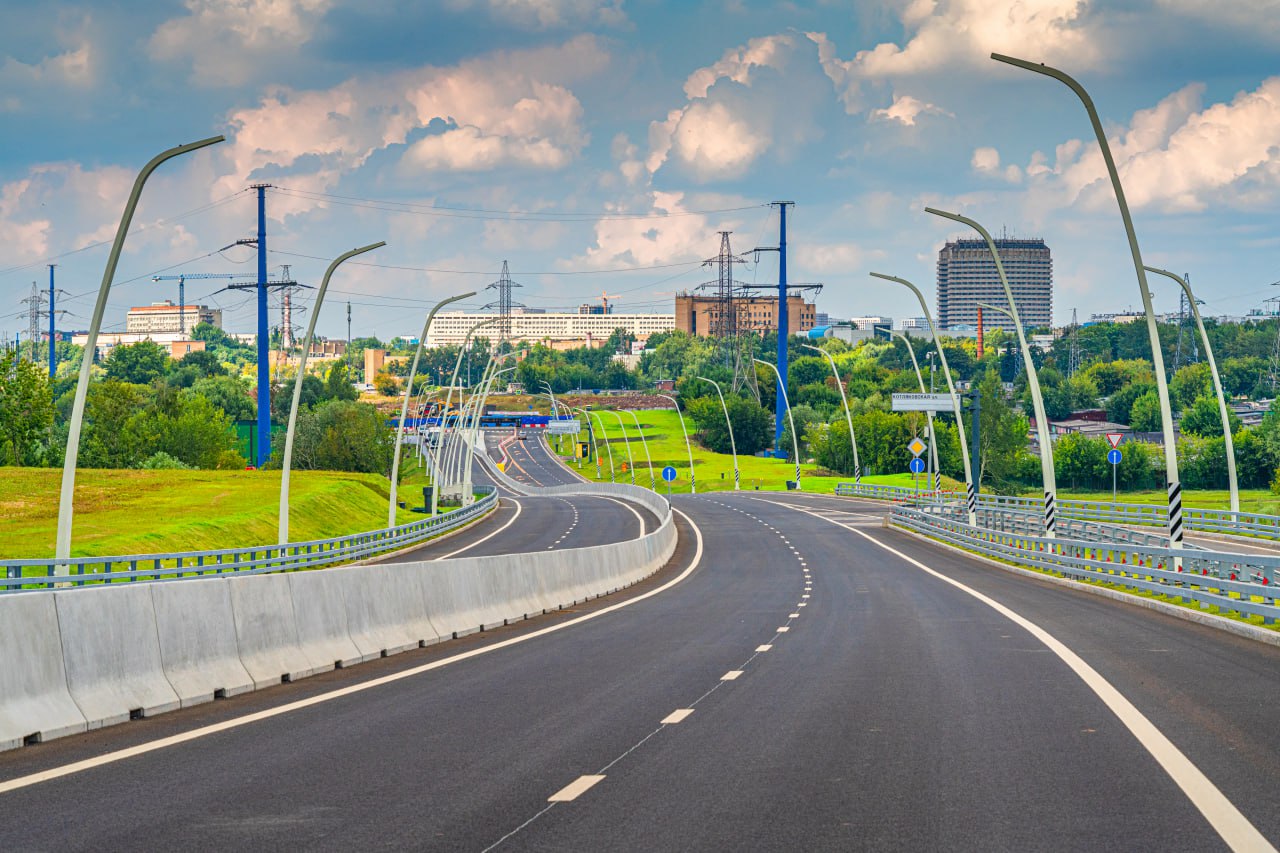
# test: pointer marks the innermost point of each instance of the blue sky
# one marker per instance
(599, 145)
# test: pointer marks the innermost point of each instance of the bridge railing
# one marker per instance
(1240, 583)
(1223, 522)
(83, 571)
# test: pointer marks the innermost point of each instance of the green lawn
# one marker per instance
(139, 512)
(714, 471)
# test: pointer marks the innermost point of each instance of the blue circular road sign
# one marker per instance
(1113, 456)
(917, 465)
(669, 474)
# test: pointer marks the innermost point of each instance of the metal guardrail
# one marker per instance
(1223, 522)
(85, 571)
(1239, 583)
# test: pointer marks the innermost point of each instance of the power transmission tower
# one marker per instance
(288, 338)
(35, 310)
(1271, 308)
(503, 285)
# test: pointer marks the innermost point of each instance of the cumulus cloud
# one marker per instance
(759, 97)
(1176, 156)
(549, 14)
(504, 109)
(72, 68)
(986, 161)
(948, 33)
(228, 41)
(674, 234)
(906, 109)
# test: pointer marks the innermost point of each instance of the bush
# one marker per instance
(161, 461)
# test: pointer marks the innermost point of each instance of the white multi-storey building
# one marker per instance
(167, 317)
(451, 327)
(967, 277)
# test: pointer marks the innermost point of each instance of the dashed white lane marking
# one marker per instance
(235, 723)
(802, 604)
(784, 629)
(764, 648)
(676, 716)
(793, 615)
(574, 789)
(804, 596)
(1233, 827)
(731, 675)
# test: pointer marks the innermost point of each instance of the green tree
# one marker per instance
(1081, 461)
(139, 364)
(1145, 414)
(26, 410)
(1002, 436)
(386, 385)
(1189, 384)
(339, 435)
(228, 394)
(337, 385)
(188, 428)
(1204, 419)
(106, 443)
(752, 424)
(1120, 404)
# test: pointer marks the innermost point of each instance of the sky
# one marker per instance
(598, 146)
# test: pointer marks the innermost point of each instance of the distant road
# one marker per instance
(814, 682)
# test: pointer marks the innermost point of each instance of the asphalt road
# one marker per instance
(841, 695)
(523, 524)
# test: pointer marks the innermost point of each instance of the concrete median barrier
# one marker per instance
(381, 611)
(35, 704)
(197, 635)
(320, 612)
(266, 630)
(111, 652)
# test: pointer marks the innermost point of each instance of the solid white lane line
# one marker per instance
(1234, 828)
(519, 509)
(676, 716)
(764, 648)
(731, 675)
(639, 517)
(258, 716)
(574, 789)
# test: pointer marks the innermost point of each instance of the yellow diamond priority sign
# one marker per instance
(917, 447)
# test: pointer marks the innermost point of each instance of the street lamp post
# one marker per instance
(464, 441)
(591, 440)
(286, 461)
(631, 463)
(608, 448)
(693, 480)
(733, 445)
(1043, 436)
(1153, 332)
(970, 484)
(795, 439)
(844, 401)
(1033, 379)
(442, 448)
(404, 409)
(62, 546)
(468, 494)
(653, 483)
(933, 435)
(1227, 438)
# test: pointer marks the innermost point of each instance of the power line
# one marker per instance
(491, 272)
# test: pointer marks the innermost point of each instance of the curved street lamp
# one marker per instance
(733, 445)
(62, 546)
(970, 484)
(933, 435)
(693, 480)
(404, 408)
(1153, 332)
(782, 389)
(653, 484)
(286, 462)
(1227, 438)
(844, 401)
(591, 439)
(631, 463)
(608, 448)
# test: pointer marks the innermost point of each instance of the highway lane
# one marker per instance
(878, 708)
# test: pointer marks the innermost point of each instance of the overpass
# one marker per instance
(797, 675)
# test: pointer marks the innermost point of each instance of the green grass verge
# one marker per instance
(661, 429)
(139, 512)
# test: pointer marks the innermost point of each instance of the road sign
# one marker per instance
(917, 447)
(1114, 456)
(1114, 438)
(669, 474)
(917, 465)
(922, 402)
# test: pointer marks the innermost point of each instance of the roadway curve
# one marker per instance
(848, 691)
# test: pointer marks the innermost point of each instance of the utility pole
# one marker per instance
(53, 332)
(784, 325)
(348, 324)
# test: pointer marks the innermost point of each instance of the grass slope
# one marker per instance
(138, 512)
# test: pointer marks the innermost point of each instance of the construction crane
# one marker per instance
(181, 279)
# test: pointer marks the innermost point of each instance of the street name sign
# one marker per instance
(922, 402)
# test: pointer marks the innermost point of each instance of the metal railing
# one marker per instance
(1240, 583)
(1223, 522)
(84, 571)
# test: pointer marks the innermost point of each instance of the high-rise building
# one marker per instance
(967, 276)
